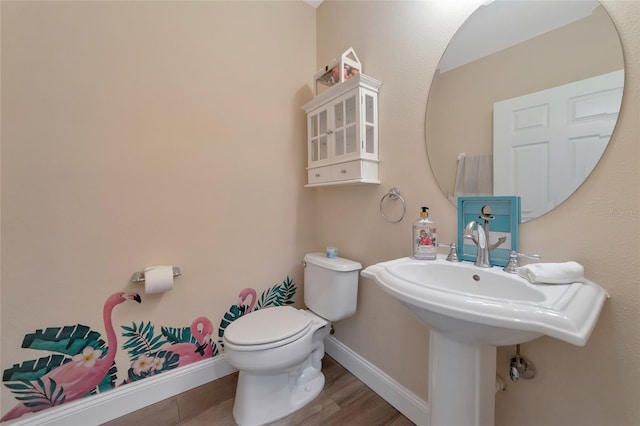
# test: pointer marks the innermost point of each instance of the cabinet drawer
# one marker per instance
(319, 174)
(345, 171)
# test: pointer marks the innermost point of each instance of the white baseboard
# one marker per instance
(405, 401)
(101, 408)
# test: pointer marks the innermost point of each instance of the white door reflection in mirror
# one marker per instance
(545, 144)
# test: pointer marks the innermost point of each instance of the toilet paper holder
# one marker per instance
(138, 277)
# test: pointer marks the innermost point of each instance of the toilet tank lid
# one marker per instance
(335, 263)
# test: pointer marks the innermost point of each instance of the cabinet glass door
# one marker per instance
(345, 113)
(338, 124)
(370, 114)
(318, 143)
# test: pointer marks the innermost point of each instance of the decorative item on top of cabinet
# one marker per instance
(342, 134)
(338, 70)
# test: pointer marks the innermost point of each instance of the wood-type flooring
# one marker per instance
(344, 401)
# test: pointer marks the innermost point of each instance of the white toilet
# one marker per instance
(278, 350)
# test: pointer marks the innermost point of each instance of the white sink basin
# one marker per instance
(488, 306)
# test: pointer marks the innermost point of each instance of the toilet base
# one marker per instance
(264, 399)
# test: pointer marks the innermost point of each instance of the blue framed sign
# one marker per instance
(503, 224)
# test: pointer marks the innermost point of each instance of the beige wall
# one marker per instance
(142, 133)
(400, 44)
(145, 133)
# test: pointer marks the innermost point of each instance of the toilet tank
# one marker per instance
(330, 285)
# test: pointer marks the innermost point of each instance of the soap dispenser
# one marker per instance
(424, 237)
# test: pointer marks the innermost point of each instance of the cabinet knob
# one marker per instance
(343, 171)
(329, 132)
(317, 174)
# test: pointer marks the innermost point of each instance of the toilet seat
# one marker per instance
(267, 328)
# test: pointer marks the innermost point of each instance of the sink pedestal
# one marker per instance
(462, 382)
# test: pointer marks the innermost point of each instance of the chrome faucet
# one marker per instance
(482, 242)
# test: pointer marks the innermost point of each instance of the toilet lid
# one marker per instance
(266, 326)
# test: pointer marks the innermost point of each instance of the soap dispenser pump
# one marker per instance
(424, 237)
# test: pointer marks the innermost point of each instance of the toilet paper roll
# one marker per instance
(158, 279)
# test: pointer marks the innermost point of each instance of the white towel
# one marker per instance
(553, 273)
(474, 176)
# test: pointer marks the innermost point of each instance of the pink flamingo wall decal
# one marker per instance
(201, 329)
(236, 311)
(86, 370)
(243, 296)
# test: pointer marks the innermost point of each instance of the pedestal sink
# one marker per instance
(470, 312)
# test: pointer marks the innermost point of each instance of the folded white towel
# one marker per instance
(553, 273)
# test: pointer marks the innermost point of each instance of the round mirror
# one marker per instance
(524, 101)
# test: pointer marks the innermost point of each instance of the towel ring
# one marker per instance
(393, 194)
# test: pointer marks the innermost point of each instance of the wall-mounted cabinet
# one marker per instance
(342, 134)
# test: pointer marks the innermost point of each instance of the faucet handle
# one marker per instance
(514, 261)
(453, 253)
